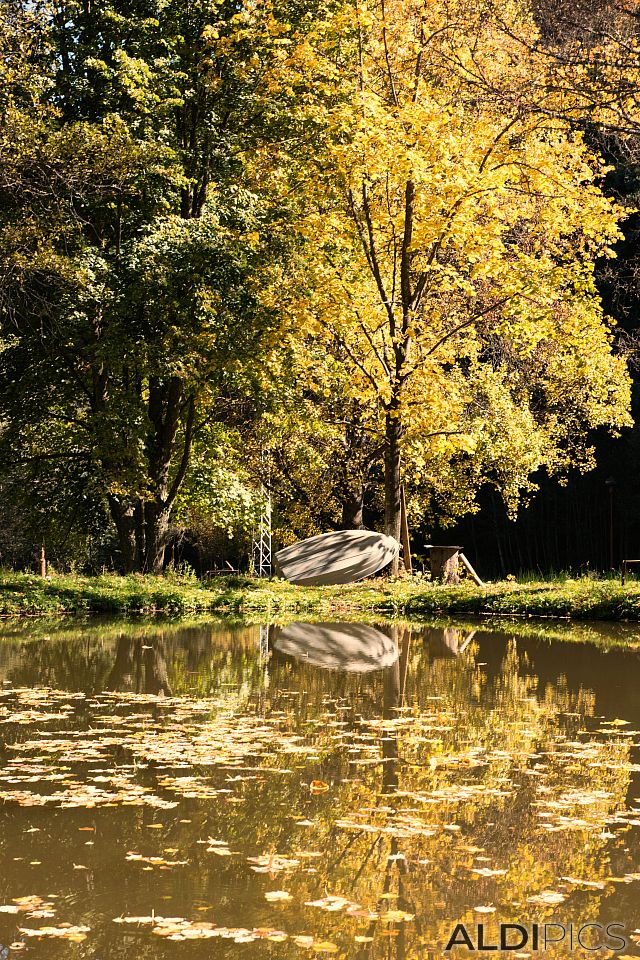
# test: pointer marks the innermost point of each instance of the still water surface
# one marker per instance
(329, 790)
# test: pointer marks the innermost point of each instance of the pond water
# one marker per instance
(350, 790)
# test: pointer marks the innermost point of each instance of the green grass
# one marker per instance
(577, 599)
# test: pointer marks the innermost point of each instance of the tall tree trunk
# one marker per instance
(122, 514)
(140, 533)
(352, 509)
(392, 492)
(156, 528)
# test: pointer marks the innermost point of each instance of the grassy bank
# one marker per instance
(582, 599)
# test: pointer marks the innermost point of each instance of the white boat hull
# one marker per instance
(333, 558)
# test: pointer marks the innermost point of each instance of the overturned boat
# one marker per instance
(340, 557)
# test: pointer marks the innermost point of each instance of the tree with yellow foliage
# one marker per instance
(451, 230)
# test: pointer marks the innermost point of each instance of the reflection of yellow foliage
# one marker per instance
(448, 789)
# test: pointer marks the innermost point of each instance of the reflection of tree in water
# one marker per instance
(439, 737)
(147, 657)
(140, 667)
(395, 678)
(473, 754)
(78, 664)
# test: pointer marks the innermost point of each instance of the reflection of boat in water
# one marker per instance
(352, 647)
(340, 557)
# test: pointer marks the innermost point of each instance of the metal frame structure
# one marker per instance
(261, 547)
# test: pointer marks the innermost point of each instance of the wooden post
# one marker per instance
(444, 564)
(43, 562)
(404, 533)
(474, 576)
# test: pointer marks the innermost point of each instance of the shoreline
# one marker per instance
(27, 595)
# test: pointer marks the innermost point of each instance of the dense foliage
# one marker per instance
(329, 247)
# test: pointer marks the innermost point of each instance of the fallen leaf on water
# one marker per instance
(177, 928)
(28, 905)
(153, 861)
(487, 872)
(332, 904)
(138, 920)
(396, 916)
(303, 941)
(595, 884)
(63, 932)
(276, 896)
(272, 863)
(318, 786)
(547, 898)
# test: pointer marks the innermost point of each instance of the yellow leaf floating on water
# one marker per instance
(137, 920)
(302, 940)
(272, 863)
(547, 898)
(154, 861)
(396, 916)
(332, 904)
(318, 946)
(177, 928)
(318, 786)
(64, 932)
(33, 905)
(487, 872)
(592, 884)
(277, 896)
